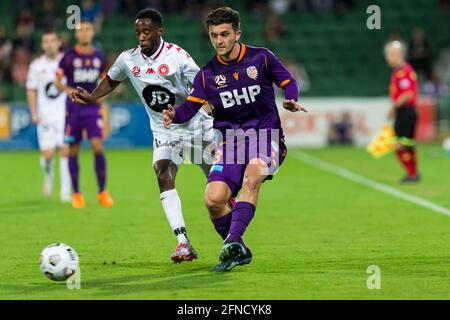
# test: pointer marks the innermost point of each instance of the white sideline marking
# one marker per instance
(346, 174)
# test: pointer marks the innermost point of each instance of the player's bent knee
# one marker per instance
(64, 151)
(215, 204)
(48, 155)
(252, 183)
(97, 146)
(97, 149)
(98, 152)
(165, 181)
(74, 150)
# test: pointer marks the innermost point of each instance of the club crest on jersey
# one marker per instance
(252, 72)
(136, 70)
(96, 63)
(220, 80)
(77, 63)
(163, 69)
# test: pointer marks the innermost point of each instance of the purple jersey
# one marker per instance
(241, 91)
(83, 70)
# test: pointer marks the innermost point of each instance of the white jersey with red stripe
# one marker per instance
(164, 78)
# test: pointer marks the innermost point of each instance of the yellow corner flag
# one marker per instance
(383, 142)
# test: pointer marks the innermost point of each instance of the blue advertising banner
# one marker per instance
(126, 125)
(129, 126)
(16, 129)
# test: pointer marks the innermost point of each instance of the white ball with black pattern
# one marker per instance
(59, 261)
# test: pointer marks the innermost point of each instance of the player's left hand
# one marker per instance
(168, 116)
(293, 106)
(81, 95)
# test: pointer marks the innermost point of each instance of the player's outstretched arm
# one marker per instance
(284, 80)
(291, 92)
(60, 85)
(185, 112)
(80, 95)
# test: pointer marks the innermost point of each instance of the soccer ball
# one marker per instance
(59, 261)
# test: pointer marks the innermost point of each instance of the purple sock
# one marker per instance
(243, 213)
(73, 169)
(100, 170)
(222, 225)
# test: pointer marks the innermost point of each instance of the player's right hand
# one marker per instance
(168, 116)
(35, 118)
(81, 95)
(391, 114)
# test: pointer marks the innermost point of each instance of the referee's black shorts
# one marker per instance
(405, 124)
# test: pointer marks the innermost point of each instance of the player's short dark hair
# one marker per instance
(49, 31)
(152, 14)
(85, 20)
(223, 15)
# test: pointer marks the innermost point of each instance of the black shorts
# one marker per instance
(405, 122)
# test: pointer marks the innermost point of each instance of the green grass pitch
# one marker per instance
(313, 236)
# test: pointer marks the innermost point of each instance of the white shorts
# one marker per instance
(50, 135)
(178, 148)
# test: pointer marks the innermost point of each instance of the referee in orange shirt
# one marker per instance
(403, 92)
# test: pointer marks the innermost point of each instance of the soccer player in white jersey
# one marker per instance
(161, 73)
(47, 105)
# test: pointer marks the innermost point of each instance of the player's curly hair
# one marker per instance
(152, 14)
(223, 15)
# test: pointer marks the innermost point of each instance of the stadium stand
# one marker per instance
(341, 56)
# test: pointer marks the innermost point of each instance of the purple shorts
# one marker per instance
(232, 158)
(76, 123)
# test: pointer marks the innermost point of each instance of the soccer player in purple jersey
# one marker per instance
(238, 84)
(82, 66)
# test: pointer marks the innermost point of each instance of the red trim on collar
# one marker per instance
(160, 50)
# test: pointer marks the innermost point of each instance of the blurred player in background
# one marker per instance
(403, 92)
(161, 73)
(82, 66)
(238, 83)
(48, 108)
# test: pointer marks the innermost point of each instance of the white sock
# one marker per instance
(64, 176)
(172, 207)
(47, 167)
